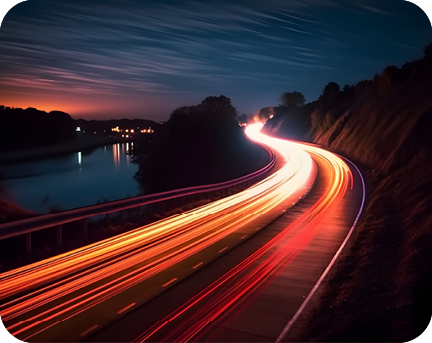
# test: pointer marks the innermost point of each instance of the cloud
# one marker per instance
(296, 30)
(270, 59)
(374, 9)
(133, 47)
(308, 54)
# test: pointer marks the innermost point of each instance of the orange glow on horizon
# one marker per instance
(88, 106)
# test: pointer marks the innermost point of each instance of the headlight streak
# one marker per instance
(244, 282)
(66, 285)
(136, 258)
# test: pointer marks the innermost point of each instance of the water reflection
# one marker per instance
(71, 180)
(116, 155)
(127, 153)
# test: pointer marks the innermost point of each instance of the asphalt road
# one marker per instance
(74, 295)
(251, 293)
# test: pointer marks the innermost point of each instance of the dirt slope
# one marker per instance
(380, 288)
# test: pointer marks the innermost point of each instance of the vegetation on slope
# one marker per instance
(379, 289)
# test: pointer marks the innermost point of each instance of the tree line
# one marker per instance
(26, 128)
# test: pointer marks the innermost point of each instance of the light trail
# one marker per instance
(244, 282)
(38, 296)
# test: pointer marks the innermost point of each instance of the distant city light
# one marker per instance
(78, 129)
(149, 130)
(117, 129)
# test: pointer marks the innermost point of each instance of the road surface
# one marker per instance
(131, 278)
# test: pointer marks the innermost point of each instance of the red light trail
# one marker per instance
(43, 295)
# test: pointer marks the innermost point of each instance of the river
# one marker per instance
(71, 180)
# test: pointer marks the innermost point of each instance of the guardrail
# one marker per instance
(27, 226)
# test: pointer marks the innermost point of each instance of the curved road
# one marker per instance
(74, 296)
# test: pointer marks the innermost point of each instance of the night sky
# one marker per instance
(143, 59)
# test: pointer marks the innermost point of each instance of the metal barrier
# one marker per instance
(57, 220)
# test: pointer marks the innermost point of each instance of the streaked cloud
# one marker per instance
(374, 9)
(143, 49)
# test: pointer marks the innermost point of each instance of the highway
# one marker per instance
(256, 292)
(95, 292)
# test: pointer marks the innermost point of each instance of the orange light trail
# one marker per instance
(36, 297)
(251, 276)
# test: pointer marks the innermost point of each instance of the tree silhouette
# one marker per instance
(211, 108)
(330, 95)
(218, 106)
(428, 51)
(294, 99)
(330, 90)
(348, 88)
(184, 113)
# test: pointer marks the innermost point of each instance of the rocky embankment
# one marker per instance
(380, 288)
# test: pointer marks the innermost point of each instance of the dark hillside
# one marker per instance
(379, 289)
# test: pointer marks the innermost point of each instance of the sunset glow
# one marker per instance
(124, 61)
